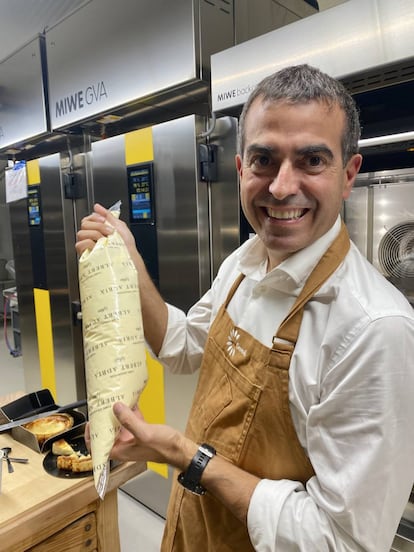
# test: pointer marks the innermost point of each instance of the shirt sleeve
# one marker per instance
(183, 345)
(184, 341)
(360, 440)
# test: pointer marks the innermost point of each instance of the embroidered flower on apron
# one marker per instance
(233, 344)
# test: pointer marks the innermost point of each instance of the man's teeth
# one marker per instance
(285, 215)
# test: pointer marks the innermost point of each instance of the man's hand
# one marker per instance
(102, 223)
(139, 440)
(99, 224)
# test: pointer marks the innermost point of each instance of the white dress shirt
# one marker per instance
(351, 392)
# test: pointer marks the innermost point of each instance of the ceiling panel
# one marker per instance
(22, 20)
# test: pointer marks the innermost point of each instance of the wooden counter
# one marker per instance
(43, 513)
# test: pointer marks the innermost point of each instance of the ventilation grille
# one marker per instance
(396, 255)
(380, 77)
(225, 6)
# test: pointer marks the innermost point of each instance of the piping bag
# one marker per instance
(113, 341)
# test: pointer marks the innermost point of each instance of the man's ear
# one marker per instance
(351, 171)
(239, 164)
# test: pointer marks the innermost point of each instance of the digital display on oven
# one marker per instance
(33, 206)
(140, 186)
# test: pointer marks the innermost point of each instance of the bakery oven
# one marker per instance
(379, 215)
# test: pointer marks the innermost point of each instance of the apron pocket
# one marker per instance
(226, 403)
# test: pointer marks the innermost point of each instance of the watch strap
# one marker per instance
(190, 479)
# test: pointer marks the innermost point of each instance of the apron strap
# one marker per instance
(333, 257)
(232, 291)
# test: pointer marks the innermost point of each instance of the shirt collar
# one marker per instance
(252, 258)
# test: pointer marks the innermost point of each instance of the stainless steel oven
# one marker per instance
(379, 216)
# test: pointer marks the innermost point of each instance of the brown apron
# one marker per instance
(241, 408)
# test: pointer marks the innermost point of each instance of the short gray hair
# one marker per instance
(303, 84)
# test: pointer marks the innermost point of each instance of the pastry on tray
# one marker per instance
(51, 425)
(69, 460)
(75, 463)
(82, 463)
(62, 448)
(64, 462)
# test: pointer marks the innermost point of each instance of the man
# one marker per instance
(306, 382)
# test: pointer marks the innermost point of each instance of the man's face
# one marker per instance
(292, 179)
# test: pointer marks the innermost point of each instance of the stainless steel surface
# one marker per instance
(262, 16)
(23, 110)
(356, 218)
(73, 210)
(348, 39)
(61, 282)
(19, 460)
(6, 451)
(60, 258)
(409, 511)
(401, 544)
(393, 204)
(107, 165)
(378, 203)
(223, 196)
(129, 52)
(182, 262)
(404, 539)
(101, 83)
(21, 20)
(24, 283)
(192, 216)
(386, 139)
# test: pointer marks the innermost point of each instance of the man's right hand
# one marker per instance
(98, 224)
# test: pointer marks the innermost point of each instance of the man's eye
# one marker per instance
(315, 161)
(261, 161)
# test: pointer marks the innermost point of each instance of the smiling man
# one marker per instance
(300, 437)
(293, 167)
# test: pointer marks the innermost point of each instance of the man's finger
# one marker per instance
(124, 415)
(87, 436)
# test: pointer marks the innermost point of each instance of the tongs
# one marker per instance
(9, 460)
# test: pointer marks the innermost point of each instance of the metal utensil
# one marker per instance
(19, 460)
(6, 451)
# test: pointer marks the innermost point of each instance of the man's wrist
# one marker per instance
(191, 477)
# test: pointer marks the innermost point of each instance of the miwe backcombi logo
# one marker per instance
(233, 344)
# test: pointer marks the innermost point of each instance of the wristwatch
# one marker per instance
(190, 479)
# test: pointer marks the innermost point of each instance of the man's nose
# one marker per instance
(285, 183)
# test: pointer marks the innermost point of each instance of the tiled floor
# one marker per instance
(140, 528)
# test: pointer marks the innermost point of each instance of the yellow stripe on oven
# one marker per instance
(45, 339)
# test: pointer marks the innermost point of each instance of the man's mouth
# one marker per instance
(285, 214)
